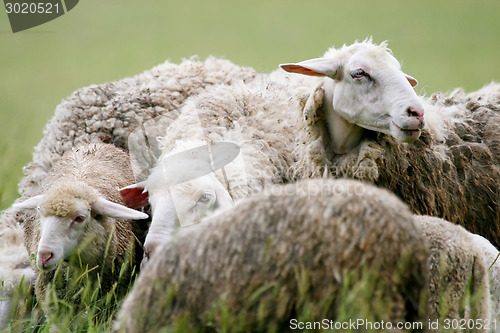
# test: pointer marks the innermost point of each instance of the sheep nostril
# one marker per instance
(412, 112)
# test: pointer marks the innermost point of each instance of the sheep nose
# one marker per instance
(416, 113)
(44, 256)
(412, 112)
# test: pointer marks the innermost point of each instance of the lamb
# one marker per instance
(452, 171)
(282, 254)
(458, 264)
(79, 221)
(15, 270)
(249, 127)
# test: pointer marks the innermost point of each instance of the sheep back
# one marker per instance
(109, 112)
(260, 117)
(278, 252)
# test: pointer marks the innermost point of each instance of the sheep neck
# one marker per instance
(344, 136)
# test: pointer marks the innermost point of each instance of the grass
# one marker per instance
(77, 298)
(444, 44)
(359, 300)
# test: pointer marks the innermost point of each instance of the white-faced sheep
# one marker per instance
(287, 254)
(15, 268)
(452, 171)
(80, 219)
(259, 118)
(364, 88)
(459, 285)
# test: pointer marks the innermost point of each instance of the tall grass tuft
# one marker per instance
(74, 297)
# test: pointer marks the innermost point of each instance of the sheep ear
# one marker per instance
(223, 199)
(315, 67)
(135, 195)
(30, 203)
(108, 208)
(411, 79)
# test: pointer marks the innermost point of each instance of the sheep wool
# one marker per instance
(109, 112)
(452, 171)
(260, 117)
(278, 254)
(491, 259)
(457, 266)
(15, 268)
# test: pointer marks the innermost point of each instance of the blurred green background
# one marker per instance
(443, 43)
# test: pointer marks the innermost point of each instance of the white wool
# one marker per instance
(260, 118)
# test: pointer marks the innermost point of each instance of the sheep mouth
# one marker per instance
(411, 134)
(47, 268)
(410, 131)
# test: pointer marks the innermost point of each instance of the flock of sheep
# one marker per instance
(286, 186)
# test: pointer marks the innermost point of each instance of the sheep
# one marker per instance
(458, 264)
(255, 122)
(278, 252)
(452, 171)
(79, 221)
(109, 112)
(271, 99)
(15, 268)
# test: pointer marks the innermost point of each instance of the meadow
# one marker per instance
(444, 44)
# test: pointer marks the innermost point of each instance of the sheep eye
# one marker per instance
(359, 73)
(79, 219)
(204, 199)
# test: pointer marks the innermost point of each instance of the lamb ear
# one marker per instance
(223, 200)
(135, 195)
(411, 79)
(30, 203)
(329, 67)
(108, 208)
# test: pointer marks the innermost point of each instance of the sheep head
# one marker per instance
(175, 205)
(67, 211)
(182, 188)
(366, 87)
